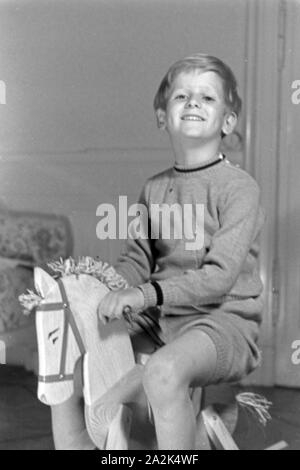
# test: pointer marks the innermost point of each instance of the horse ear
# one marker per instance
(43, 282)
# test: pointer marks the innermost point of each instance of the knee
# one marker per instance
(162, 380)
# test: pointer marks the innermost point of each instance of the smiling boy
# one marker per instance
(202, 307)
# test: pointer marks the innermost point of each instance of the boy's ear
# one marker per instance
(43, 282)
(161, 119)
(230, 121)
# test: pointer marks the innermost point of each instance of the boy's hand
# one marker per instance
(114, 303)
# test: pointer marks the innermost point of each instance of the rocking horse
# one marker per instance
(68, 331)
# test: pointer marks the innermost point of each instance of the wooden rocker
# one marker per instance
(68, 330)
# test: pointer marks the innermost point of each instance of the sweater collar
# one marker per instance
(191, 168)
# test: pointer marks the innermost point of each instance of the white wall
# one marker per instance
(82, 74)
(78, 127)
(288, 213)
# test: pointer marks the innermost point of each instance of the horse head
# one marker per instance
(66, 305)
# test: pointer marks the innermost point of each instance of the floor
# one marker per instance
(284, 426)
(25, 422)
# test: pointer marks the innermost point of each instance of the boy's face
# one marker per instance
(196, 108)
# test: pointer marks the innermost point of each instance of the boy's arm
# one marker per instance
(136, 261)
(240, 222)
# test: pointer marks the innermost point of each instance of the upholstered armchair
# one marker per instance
(27, 239)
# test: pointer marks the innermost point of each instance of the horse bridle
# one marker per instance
(69, 321)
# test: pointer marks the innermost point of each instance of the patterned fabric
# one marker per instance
(13, 281)
(26, 239)
(34, 238)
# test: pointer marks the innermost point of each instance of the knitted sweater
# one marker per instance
(224, 265)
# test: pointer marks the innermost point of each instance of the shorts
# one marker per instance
(235, 338)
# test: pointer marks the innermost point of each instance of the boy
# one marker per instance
(204, 303)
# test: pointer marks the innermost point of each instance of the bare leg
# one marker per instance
(169, 373)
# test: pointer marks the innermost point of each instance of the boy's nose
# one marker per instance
(192, 103)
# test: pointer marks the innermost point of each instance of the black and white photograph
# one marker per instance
(149, 227)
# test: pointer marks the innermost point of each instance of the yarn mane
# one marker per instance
(68, 267)
(256, 405)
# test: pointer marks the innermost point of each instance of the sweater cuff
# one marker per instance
(149, 294)
(168, 292)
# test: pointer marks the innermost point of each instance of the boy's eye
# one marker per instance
(208, 98)
(180, 97)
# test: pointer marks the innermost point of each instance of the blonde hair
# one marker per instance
(205, 63)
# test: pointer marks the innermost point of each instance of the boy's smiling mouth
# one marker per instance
(192, 117)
